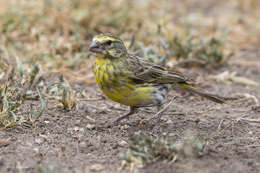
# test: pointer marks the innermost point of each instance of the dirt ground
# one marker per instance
(64, 141)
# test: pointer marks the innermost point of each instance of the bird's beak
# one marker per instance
(95, 47)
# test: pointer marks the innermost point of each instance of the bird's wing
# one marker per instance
(147, 72)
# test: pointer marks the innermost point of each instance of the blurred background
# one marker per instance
(56, 34)
(46, 75)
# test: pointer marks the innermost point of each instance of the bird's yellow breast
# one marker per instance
(115, 84)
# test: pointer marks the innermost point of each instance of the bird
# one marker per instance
(133, 81)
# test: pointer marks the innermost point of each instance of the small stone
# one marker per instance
(169, 122)
(115, 146)
(39, 140)
(96, 167)
(77, 122)
(122, 143)
(36, 150)
(90, 126)
(124, 127)
(104, 140)
(78, 129)
(165, 119)
(82, 144)
(81, 105)
(83, 147)
(171, 134)
(197, 120)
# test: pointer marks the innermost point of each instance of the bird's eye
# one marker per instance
(108, 42)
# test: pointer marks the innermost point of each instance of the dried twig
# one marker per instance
(247, 63)
(250, 120)
(232, 76)
(220, 124)
(253, 145)
(162, 110)
(90, 99)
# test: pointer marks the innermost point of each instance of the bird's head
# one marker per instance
(108, 46)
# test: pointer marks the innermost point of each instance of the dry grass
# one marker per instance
(144, 149)
(55, 35)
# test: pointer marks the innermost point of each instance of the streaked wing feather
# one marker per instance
(151, 73)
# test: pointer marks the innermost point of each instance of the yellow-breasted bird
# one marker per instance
(132, 81)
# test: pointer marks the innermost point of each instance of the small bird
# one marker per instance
(132, 81)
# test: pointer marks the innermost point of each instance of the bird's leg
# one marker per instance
(160, 110)
(115, 122)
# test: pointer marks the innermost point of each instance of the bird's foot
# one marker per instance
(116, 122)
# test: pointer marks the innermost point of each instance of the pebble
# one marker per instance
(169, 122)
(122, 143)
(96, 167)
(78, 129)
(90, 126)
(124, 127)
(39, 140)
(36, 149)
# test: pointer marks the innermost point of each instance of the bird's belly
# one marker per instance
(121, 95)
(134, 95)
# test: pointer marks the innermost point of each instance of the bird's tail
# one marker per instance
(193, 90)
